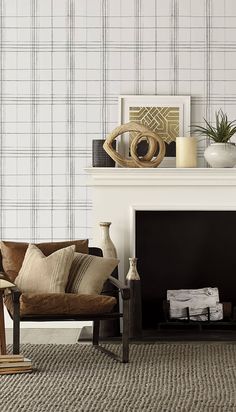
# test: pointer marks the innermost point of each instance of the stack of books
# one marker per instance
(10, 364)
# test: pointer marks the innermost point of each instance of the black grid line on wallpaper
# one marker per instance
(63, 65)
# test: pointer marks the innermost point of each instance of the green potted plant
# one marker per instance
(222, 152)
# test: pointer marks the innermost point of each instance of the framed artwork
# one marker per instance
(168, 116)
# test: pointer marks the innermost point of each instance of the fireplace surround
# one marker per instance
(120, 193)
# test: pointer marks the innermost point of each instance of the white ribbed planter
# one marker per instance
(221, 155)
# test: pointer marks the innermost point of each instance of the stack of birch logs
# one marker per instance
(197, 301)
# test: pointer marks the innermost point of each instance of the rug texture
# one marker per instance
(160, 377)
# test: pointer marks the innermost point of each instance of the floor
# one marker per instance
(69, 335)
(46, 335)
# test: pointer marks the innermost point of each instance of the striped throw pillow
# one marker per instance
(45, 274)
(88, 273)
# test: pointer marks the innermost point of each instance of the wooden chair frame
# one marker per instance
(125, 295)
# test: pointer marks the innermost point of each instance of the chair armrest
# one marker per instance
(13, 290)
(124, 290)
(16, 293)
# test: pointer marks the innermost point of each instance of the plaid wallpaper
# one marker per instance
(63, 64)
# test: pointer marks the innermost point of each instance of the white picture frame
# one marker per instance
(182, 103)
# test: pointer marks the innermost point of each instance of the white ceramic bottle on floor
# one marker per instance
(134, 283)
(111, 327)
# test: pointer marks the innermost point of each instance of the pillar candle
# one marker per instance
(186, 152)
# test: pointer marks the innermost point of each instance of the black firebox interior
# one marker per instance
(184, 249)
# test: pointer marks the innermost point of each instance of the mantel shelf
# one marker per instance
(106, 176)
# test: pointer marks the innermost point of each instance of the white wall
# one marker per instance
(64, 64)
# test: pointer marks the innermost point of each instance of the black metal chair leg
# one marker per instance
(16, 324)
(96, 325)
(125, 336)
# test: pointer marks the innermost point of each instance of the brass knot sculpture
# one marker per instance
(141, 132)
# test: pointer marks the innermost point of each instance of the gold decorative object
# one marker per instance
(141, 132)
(162, 120)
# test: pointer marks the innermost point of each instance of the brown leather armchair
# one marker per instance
(14, 304)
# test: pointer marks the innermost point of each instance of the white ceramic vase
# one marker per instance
(132, 273)
(107, 246)
(133, 281)
(221, 155)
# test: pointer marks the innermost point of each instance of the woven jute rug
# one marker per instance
(160, 377)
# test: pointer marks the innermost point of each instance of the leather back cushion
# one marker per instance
(13, 253)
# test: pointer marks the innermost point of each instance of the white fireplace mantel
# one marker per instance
(119, 192)
(114, 176)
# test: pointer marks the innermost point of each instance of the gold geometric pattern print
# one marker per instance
(162, 120)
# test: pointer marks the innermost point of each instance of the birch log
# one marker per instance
(197, 300)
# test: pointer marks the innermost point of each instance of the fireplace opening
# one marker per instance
(184, 250)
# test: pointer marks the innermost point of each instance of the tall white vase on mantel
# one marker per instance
(107, 246)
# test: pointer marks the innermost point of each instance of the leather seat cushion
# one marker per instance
(61, 304)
